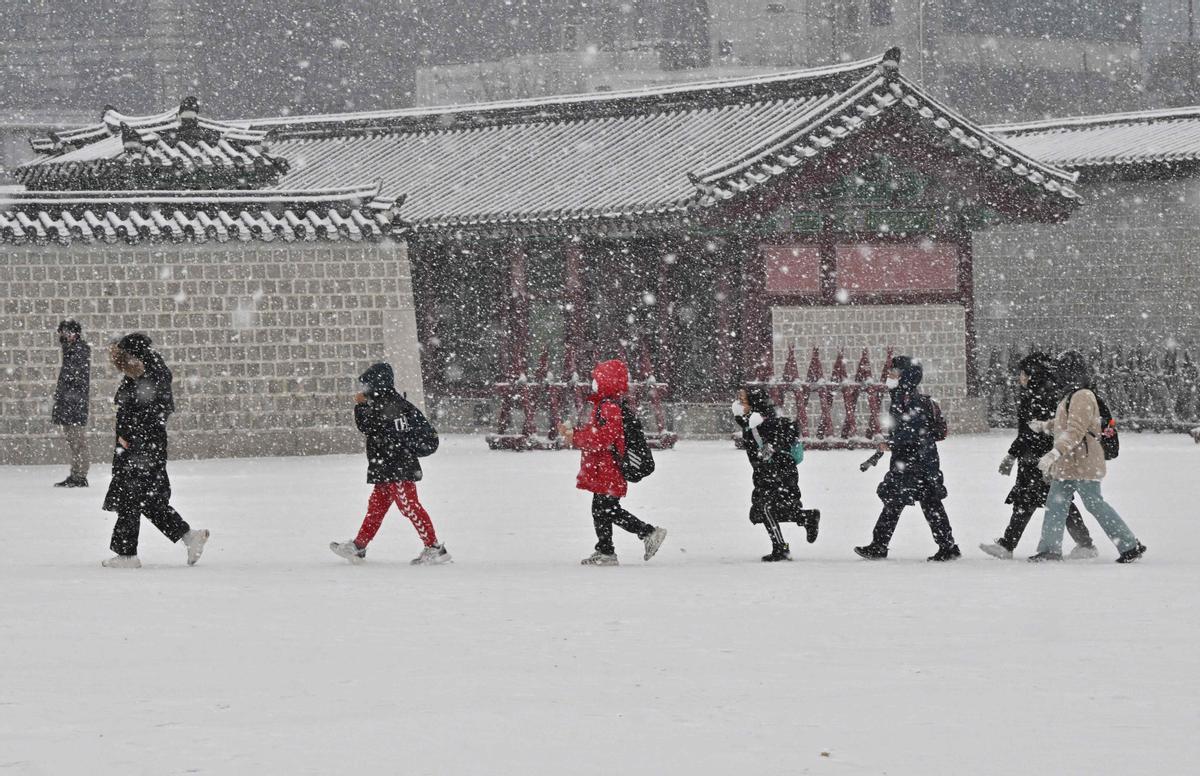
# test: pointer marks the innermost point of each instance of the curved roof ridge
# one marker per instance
(688, 88)
(1097, 119)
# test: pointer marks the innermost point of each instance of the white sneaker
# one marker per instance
(349, 550)
(195, 540)
(431, 556)
(653, 542)
(599, 559)
(1083, 552)
(996, 550)
(122, 562)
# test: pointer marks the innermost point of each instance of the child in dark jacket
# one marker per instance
(602, 441)
(768, 439)
(398, 434)
(915, 473)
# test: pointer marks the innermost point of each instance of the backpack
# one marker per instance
(1110, 442)
(937, 422)
(638, 462)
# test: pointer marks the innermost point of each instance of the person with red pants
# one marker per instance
(602, 442)
(398, 434)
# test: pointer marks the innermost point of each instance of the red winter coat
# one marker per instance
(598, 471)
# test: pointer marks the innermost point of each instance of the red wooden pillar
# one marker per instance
(576, 305)
(756, 345)
(966, 290)
(518, 312)
(664, 314)
(725, 318)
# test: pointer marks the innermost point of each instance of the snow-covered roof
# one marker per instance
(353, 213)
(176, 149)
(1154, 137)
(637, 154)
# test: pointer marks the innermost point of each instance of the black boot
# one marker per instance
(812, 524)
(946, 553)
(782, 552)
(72, 482)
(1044, 557)
(872, 551)
(1129, 556)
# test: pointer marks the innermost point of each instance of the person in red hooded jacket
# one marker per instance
(602, 442)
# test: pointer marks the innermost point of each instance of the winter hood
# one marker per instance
(1072, 372)
(612, 378)
(137, 345)
(911, 372)
(760, 401)
(378, 378)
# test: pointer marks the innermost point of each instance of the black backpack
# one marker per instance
(638, 462)
(1110, 442)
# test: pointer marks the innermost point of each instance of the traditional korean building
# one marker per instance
(266, 299)
(704, 230)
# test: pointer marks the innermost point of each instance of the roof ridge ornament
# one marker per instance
(889, 66)
(131, 139)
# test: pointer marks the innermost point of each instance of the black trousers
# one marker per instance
(935, 515)
(771, 506)
(607, 512)
(1020, 519)
(129, 523)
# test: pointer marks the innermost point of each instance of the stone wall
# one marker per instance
(265, 340)
(935, 333)
(1124, 271)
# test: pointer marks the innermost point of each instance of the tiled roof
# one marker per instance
(638, 154)
(176, 149)
(1159, 137)
(197, 216)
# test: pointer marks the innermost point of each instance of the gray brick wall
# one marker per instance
(935, 333)
(265, 341)
(1124, 270)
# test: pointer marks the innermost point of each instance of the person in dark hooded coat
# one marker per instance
(768, 439)
(397, 436)
(915, 473)
(71, 395)
(1038, 400)
(140, 485)
(602, 442)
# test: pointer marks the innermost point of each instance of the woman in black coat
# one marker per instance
(768, 440)
(915, 473)
(71, 395)
(140, 485)
(1038, 402)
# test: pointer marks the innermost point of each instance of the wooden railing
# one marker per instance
(1145, 389)
(819, 432)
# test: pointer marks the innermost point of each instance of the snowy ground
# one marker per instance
(272, 656)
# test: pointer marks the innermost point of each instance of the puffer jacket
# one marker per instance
(602, 439)
(1076, 431)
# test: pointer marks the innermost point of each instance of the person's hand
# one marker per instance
(1006, 466)
(566, 432)
(737, 409)
(755, 420)
(883, 447)
(1037, 426)
(360, 397)
(1046, 462)
(122, 442)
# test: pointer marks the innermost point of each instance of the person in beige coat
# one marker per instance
(1076, 465)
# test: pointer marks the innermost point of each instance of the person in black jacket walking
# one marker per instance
(140, 485)
(768, 439)
(397, 435)
(71, 399)
(1038, 402)
(915, 473)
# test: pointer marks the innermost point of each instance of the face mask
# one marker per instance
(595, 387)
(893, 383)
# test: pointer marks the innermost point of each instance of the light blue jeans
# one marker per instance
(1059, 499)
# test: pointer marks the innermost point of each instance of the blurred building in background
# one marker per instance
(998, 61)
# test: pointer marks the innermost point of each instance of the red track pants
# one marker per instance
(404, 494)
